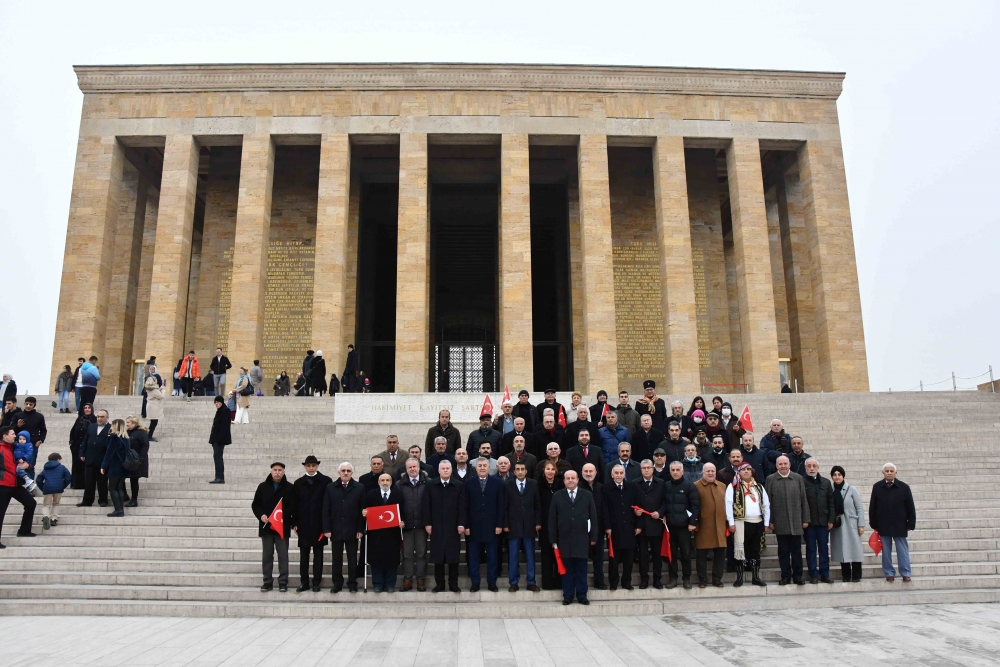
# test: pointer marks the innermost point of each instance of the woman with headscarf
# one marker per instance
(282, 384)
(696, 420)
(152, 401)
(848, 527)
(748, 512)
(76, 436)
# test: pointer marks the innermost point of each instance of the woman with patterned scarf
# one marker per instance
(748, 513)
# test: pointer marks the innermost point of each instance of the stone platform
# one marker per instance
(191, 549)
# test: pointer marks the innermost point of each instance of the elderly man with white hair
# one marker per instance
(892, 513)
(819, 493)
(342, 524)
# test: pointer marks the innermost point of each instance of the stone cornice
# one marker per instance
(464, 77)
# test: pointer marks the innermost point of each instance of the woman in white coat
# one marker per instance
(848, 527)
(153, 386)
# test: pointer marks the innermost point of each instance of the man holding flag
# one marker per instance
(274, 499)
(384, 533)
(573, 530)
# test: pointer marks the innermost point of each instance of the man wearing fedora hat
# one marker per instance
(307, 522)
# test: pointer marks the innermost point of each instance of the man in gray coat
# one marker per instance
(789, 518)
(573, 530)
(412, 486)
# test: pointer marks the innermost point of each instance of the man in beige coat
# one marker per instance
(710, 538)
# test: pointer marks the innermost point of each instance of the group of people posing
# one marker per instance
(616, 486)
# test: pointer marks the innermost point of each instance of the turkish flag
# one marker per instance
(487, 406)
(875, 542)
(562, 417)
(745, 422)
(665, 544)
(383, 516)
(277, 519)
(611, 548)
(559, 561)
(506, 395)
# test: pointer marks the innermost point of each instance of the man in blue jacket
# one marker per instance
(485, 523)
(89, 377)
(612, 435)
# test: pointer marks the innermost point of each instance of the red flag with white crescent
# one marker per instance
(506, 395)
(383, 516)
(745, 422)
(562, 417)
(665, 544)
(560, 566)
(487, 406)
(277, 519)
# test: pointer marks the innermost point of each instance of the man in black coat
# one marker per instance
(307, 368)
(383, 543)
(573, 530)
(521, 455)
(444, 428)
(590, 482)
(507, 441)
(485, 433)
(892, 513)
(630, 467)
(674, 444)
(652, 405)
(342, 504)
(440, 454)
(369, 480)
(220, 364)
(549, 403)
(582, 423)
(645, 438)
(33, 422)
(92, 451)
(650, 491)
(444, 515)
(522, 523)
(527, 412)
(618, 520)
(276, 488)
(587, 450)
(307, 522)
(485, 522)
(683, 508)
(220, 437)
(547, 431)
(349, 377)
(719, 454)
(412, 487)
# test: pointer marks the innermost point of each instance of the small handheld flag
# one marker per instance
(506, 395)
(383, 516)
(745, 422)
(665, 544)
(562, 417)
(277, 519)
(559, 561)
(487, 406)
(875, 542)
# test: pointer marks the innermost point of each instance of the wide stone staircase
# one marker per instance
(191, 549)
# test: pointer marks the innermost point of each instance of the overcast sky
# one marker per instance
(918, 116)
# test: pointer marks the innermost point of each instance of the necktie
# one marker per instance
(585, 448)
(619, 487)
(385, 497)
(521, 486)
(392, 458)
(345, 486)
(572, 496)
(649, 484)
(482, 484)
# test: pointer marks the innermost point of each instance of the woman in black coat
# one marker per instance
(113, 465)
(76, 436)
(220, 436)
(139, 441)
(334, 384)
(317, 375)
(548, 483)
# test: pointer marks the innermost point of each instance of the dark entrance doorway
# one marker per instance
(464, 221)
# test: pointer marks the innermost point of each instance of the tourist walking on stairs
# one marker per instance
(243, 391)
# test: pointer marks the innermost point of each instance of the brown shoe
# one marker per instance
(890, 579)
(906, 580)
(420, 586)
(533, 588)
(407, 585)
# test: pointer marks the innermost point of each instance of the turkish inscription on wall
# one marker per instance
(225, 299)
(288, 305)
(701, 308)
(638, 312)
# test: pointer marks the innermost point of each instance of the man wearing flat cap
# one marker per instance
(652, 405)
(526, 411)
(307, 522)
(485, 433)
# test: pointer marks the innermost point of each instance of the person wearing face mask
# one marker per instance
(383, 544)
(731, 424)
(697, 420)
(692, 464)
(485, 433)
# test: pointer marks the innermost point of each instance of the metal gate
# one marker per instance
(465, 367)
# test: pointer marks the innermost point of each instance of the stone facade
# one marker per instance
(739, 266)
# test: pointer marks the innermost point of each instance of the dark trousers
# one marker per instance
(491, 561)
(316, 549)
(220, 465)
(597, 558)
(623, 557)
(152, 427)
(337, 563)
(133, 483)
(95, 480)
(271, 542)
(851, 571)
(116, 487)
(19, 494)
(649, 549)
(452, 575)
(550, 571)
(753, 534)
(818, 542)
(575, 579)
(680, 551)
(718, 564)
(789, 556)
(187, 385)
(730, 560)
(87, 395)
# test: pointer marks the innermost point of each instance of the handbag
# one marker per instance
(131, 459)
(247, 390)
(836, 522)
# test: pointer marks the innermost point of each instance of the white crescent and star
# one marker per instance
(381, 517)
(279, 515)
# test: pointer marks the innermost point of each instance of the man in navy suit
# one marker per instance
(485, 522)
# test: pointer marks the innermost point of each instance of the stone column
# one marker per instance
(146, 274)
(172, 254)
(600, 336)
(329, 276)
(86, 277)
(778, 274)
(516, 344)
(351, 267)
(116, 369)
(840, 333)
(413, 267)
(751, 256)
(253, 229)
(673, 229)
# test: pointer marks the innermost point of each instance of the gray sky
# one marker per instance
(919, 119)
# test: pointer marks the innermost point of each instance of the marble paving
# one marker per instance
(927, 636)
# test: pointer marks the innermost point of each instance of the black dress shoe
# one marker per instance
(316, 588)
(799, 582)
(657, 585)
(28, 534)
(584, 601)
(454, 589)
(813, 580)
(613, 587)
(784, 582)
(132, 503)
(474, 588)
(826, 580)
(643, 585)
(266, 587)
(437, 589)
(353, 589)
(3, 546)
(218, 481)
(283, 588)
(687, 585)
(302, 588)
(513, 588)
(600, 585)
(628, 587)
(567, 602)
(672, 583)
(102, 504)
(533, 588)
(702, 584)
(116, 514)
(85, 504)
(493, 588)
(336, 589)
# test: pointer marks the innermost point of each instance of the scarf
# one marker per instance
(740, 492)
(838, 498)
(650, 403)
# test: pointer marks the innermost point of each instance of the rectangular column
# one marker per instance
(413, 267)
(751, 256)
(516, 345)
(93, 212)
(840, 332)
(673, 228)
(576, 290)
(351, 268)
(145, 274)
(329, 275)
(117, 362)
(600, 335)
(253, 229)
(172, 254)
(777, 274)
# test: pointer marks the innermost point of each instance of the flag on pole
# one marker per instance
(665, 544)
(383, 516)
(559, 561)
(277, 519)
(611, 548)
(562, 417)
(487, 406)
(875, 542)
(745, 422)
(506, 395)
